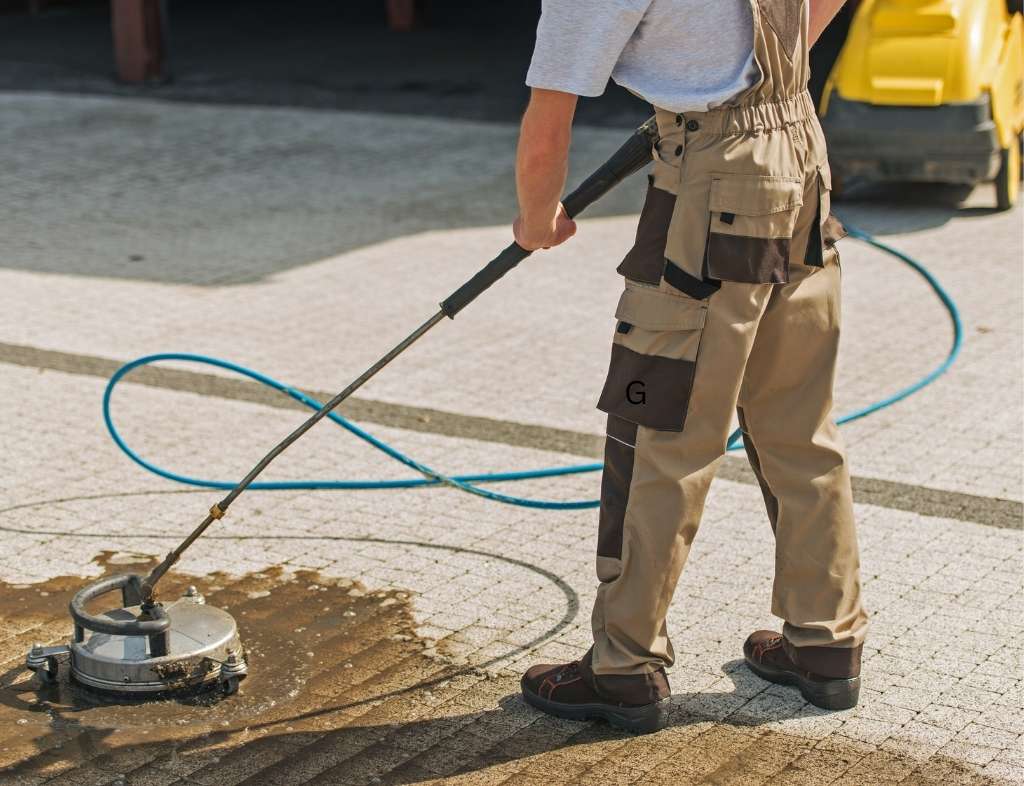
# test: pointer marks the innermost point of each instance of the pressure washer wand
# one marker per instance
(633, 156)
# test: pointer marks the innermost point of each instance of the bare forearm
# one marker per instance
(540, 179)
(822, 12)
(542, 162)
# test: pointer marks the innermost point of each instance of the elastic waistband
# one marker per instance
(742, 119)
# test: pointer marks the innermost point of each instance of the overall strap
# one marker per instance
(780, 50)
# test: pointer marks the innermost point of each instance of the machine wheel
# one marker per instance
(229, 687)
(1008, 179)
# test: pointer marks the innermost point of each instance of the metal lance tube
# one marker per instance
(633, 156)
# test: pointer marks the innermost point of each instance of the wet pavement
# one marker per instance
(340, 691)
(308, 641)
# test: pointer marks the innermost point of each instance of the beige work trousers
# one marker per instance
(731, 307)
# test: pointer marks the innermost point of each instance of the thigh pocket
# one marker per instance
(750, 227)
(654, 357)
(827, 229)
(645, 261)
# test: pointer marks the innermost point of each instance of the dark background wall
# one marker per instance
(467, 60)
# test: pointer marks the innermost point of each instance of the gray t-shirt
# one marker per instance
(681, 55)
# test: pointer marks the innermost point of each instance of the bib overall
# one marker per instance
(731, 305)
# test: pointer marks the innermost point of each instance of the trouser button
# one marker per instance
(692, 125)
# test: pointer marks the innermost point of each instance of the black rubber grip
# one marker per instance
(479, 283)
(633, 156)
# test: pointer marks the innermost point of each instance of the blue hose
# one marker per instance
(469, 483)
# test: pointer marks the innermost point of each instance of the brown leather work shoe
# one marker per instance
(636, 703)
(828, 677)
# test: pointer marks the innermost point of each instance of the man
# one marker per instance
(731, 304)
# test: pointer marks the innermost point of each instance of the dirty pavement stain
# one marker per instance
(341, 692)
(308, 640)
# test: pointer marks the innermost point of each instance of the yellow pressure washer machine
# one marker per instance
(930, 90)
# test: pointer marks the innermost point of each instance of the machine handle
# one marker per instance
(130, 586)
(633, 156)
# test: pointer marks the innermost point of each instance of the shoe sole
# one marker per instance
(839, 694)
(639, 720)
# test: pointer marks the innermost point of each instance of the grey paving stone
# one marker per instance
(493, 584)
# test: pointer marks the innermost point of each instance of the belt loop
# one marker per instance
(657, 156)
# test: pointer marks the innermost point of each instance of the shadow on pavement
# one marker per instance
(213, 196)
(708, 740)
(217, 192)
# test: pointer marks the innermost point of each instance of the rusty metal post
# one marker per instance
(404, 15)
(140, 46)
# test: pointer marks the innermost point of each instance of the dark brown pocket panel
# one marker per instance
(619, 453)
(650, 390)
(646, 260)
(748, 260)
(815, 256)
(784, 17)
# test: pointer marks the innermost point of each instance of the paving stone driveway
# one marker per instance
(304, 244)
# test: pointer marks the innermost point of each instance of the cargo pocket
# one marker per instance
(654, 357)
(645, 262)
(827, 230)
(750, 228)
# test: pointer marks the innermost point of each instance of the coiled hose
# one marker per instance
(470, 483)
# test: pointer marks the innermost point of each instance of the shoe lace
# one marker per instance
(766, 646)
(567, 673)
